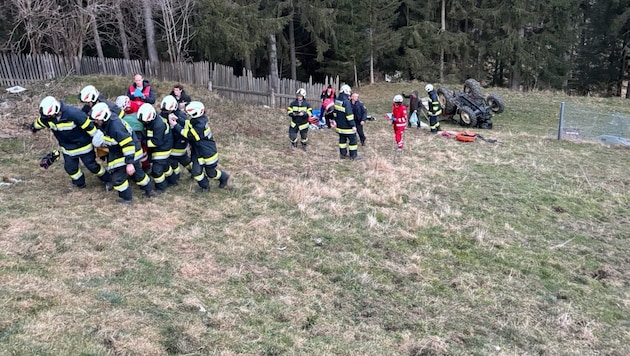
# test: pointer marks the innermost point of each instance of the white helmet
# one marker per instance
(428, 88)
(346, 89)
(301, 92)
(195, 109)
(169, 103)
(100, 111)
(146, 113)
(398, 98)
(122, 102)
(49, 106)
(88, 94)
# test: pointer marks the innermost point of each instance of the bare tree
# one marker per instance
(175, 26)
(122, 32)
(149, 28)
(30, 24)
(274, 79)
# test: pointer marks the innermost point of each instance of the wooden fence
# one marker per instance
(20, 69)
(259, 90)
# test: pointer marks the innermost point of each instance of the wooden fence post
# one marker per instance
(272, 99)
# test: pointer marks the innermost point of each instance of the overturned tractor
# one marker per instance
(473, 108)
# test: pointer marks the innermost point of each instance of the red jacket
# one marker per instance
(135, 101)
(399, 116)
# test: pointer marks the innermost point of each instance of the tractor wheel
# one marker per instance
(445, 97)
(467, 117)
(496, 103)
(473, 88)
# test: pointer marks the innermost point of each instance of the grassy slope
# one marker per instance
(452, 248)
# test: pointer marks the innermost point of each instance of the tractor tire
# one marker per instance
(473, 88)
(467, 117)
(496, 103)
(445, 97)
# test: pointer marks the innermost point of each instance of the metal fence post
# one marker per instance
(561, 121)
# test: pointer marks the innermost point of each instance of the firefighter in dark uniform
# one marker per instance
(345, 125)
(159, 142)
(90, 96)
(435, 109)
(74, 132)
(124, 154)
(170, 107)
(204, 155)
(299, 110)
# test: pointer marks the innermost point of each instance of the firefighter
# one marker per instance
(170, 107)
(89, 96)
(159, 142)
(124, 154)
(345, 125)
(204, 155)
(435, 109)
(75, 133)
(299, 111)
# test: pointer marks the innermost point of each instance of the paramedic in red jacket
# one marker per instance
(399, 120)
(140, 92)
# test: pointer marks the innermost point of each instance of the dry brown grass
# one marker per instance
(450, 248)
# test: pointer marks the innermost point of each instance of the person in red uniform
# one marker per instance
(140, 92)
(399, 120)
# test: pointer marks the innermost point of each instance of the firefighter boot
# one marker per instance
(223, 180)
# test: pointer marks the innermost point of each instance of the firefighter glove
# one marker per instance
(49, 159)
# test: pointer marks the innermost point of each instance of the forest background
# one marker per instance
(578, 46)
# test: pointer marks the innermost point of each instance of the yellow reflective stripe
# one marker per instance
(39, 124)
(62, 126)
(199, 177)
(77, 175)
(144, 181)
(353, 147)
(178, 151)
(85, 124)
(159, 179)
(210, 160)
(345, 131)
(109, 140)
(303, 126)
(78, 151)
(161, 154)
(122, 186)
(125, 141)
(128, 150)
(194, 133)
(121, 113)
(101, 171)
(115, 163)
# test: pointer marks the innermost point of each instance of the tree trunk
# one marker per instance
(292, 50)
(97, 43)
(274, 78)
(371, 58)
(442, 44)
(124, 40)
(150, 31)
(248, 62)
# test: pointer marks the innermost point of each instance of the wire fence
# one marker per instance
(578, 123)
